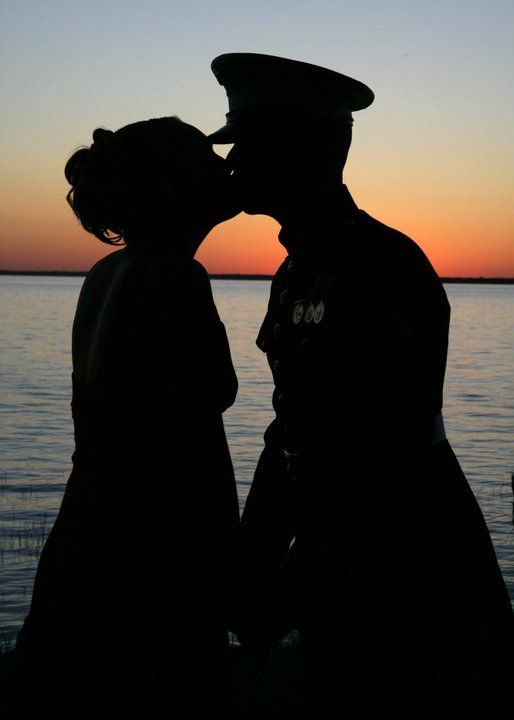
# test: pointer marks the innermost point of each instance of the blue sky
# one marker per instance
(81, 63)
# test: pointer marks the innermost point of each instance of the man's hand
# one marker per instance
(259, 616)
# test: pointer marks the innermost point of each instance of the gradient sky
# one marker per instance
(433, 156)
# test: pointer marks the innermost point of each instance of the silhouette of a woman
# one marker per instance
(128, 604)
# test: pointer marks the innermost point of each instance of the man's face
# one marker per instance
(268, 165)
(277, 163)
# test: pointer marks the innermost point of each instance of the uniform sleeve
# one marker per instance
(262, 613)
(404, 358)
(267, 524)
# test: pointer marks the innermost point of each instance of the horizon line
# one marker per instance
(250, 276)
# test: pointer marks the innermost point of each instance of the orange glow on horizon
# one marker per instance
(458, 238)
(431, 157)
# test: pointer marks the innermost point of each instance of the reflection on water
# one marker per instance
(36, 431)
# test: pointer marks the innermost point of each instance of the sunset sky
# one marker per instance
(433, 156)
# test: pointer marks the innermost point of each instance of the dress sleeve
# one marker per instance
(186, 346)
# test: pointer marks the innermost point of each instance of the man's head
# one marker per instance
(287, 161)
(290, 123)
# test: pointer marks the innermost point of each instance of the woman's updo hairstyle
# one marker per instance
(121, 183)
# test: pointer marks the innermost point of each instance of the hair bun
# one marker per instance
(75, 165)
(102, 151)
(102, 136)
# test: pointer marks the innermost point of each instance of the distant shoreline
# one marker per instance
(233, 276)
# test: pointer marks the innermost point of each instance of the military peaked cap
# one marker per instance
(275, 85)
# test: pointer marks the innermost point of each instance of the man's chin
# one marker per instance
(251, 210)
(252, 198)
(257, 205)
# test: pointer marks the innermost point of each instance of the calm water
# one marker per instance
(36, 431)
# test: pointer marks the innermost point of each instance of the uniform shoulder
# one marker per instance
(399, 241)
(396, 250)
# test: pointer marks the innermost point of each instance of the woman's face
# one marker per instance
(211, 181)
(205, 186)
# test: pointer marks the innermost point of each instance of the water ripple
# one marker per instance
(37, 438)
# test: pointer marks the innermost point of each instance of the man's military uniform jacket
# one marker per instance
(392, 561)
(356, 337)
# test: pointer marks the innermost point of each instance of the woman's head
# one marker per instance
(147, 179)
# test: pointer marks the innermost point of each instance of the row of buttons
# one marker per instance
(308, 312)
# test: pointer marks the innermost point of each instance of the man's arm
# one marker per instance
(266, 532)
(267, 524)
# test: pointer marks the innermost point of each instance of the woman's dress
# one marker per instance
(128, 603)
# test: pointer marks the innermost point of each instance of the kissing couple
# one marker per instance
(360, 530)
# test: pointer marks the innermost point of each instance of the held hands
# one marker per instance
(260, 614)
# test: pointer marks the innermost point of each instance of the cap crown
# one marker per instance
(255, 80)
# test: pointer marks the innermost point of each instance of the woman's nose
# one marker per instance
(233, 158)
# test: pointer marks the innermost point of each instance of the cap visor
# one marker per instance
(224, 136)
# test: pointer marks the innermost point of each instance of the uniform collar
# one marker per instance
(320, 228)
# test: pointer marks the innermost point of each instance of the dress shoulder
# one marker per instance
(166, 277)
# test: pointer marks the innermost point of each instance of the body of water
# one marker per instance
(36, 428)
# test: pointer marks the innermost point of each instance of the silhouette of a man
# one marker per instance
(391, 563)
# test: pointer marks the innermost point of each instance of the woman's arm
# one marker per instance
(185, 342)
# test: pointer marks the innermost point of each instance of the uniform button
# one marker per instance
(276, 367)
(283, 297)
(281, 400)
(319, 311)
(277, 330)
(291, 266)
(309, 313)
(297, 313)
(306, 343)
